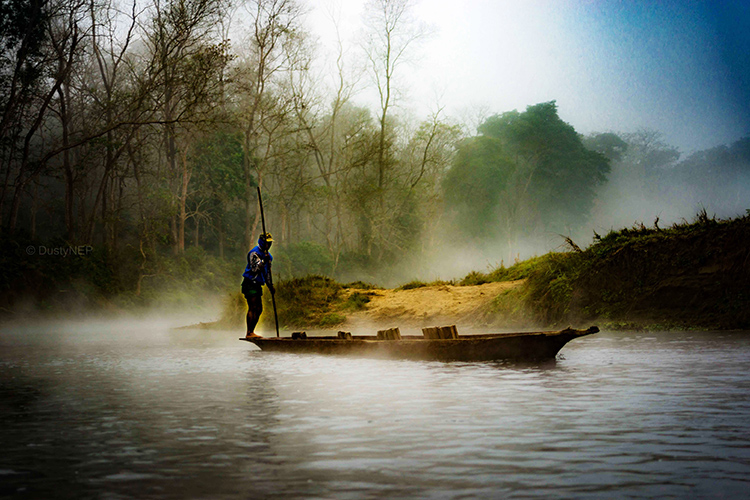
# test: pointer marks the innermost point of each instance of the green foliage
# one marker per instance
(474, 184)
(549, 286)
(474, 278)
(188, 279)
(688, 274)
(561, 174)
(302, 259)
(218, 179)
(361, 285)
(359, 265)
(307, 302)
(23, 38)
(412, 285)
(527, 169)
(608, 144)
(218, 165)
(331, 319)
(421, 284)
(357, 301)
(517, 271)
(510, 308)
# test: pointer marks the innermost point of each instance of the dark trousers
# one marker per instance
(254, 295)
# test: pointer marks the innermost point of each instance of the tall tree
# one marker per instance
(329, 134)
(23, 60)
(112, 102)
(391, 31)
(427, 156)
(42, 57)
(260, 112)
(526, 172)
(188, 61)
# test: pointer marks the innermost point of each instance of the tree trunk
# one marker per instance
(221, 238)
(105, 195)
(67, 168)
(92, 217)
(246, 152)
(186, 174)
(15, 204)
(118, 212)
(6, 185)
(34, 208)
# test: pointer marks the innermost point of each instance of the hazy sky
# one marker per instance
(680, 67)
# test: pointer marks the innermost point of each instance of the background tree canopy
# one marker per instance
(526, 172)
(143, 130)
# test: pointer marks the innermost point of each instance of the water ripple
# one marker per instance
(623, 415)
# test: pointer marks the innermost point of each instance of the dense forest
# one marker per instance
(133, 137)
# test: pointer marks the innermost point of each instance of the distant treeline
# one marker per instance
(141, 131)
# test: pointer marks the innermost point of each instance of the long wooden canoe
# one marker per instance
(498, 346)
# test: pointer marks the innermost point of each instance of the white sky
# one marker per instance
(610, 65)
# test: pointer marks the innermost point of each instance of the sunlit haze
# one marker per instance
(677, 67)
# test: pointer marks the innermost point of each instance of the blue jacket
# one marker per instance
(258, 268)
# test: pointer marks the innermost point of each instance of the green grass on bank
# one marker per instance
(421, 284)
(692, 274)
(687, 275)
(518, 271)
(312, 301)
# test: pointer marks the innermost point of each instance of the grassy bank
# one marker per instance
(689, 275)
(311, 302)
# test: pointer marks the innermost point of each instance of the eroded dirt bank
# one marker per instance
(468, 307)
(691, 275)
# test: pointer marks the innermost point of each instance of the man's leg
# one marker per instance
(254, 309)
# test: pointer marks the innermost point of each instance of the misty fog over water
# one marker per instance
(137, 411)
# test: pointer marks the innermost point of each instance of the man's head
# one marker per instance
(265, 240)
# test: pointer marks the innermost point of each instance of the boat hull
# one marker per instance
(502, 346)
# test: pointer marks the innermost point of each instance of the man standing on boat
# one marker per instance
(257, 273)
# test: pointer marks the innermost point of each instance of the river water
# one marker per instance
(138, 411)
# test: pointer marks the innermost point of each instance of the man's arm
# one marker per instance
(269, 276)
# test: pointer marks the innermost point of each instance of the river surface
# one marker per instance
(112, 412)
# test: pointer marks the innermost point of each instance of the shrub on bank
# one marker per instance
(690, 274)
(304, 302)
(518, 271)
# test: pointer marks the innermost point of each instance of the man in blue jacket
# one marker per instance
(257, 273)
